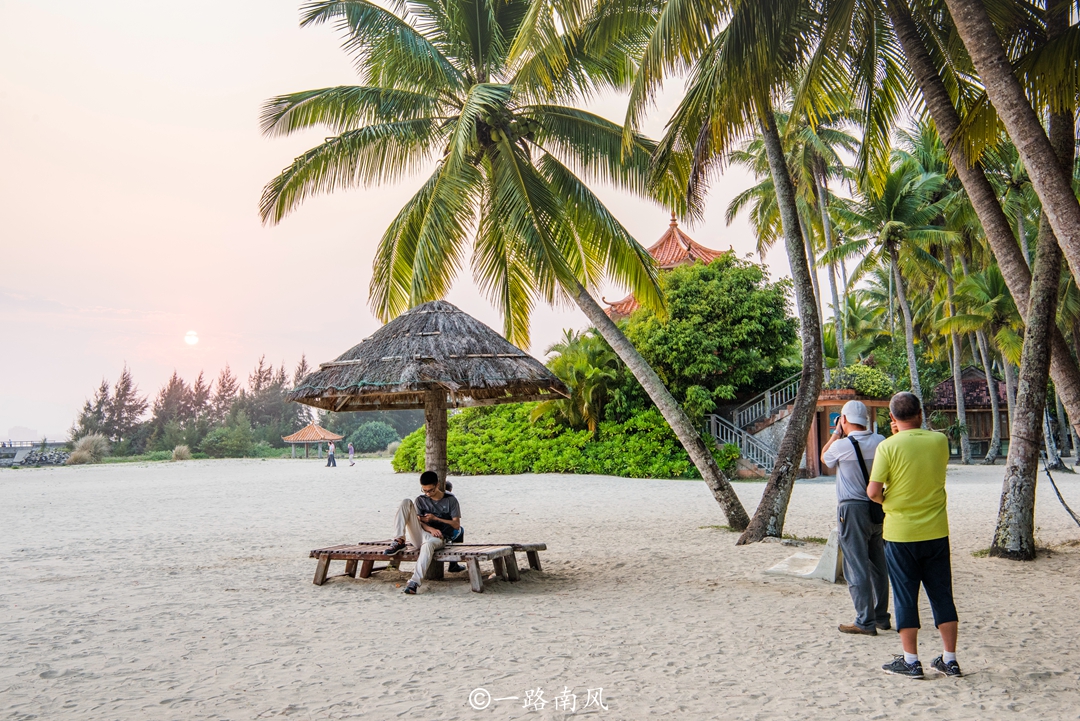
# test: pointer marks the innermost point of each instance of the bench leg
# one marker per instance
(475, 579)
(500, 568)
(512, 568)
(434, 571)
(534, 559)
(394, 564)
(321, 569)
(350, 568)
(365, 568)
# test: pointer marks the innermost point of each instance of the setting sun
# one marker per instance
(191, 337)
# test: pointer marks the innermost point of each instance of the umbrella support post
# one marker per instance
(435, 444)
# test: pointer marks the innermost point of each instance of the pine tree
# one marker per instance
(126, 408)
(225, 391)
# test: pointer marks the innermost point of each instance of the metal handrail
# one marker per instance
(763, 405)
(751, 448)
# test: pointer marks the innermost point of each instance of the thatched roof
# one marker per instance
(433, 346)
(312, 433)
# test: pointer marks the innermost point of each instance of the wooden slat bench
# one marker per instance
(366, 554)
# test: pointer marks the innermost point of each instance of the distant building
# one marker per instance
(977, 408)
(674, 248)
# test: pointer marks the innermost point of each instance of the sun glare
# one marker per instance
(191, 338)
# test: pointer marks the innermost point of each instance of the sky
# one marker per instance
(133, 167)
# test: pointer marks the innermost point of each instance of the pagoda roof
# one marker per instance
(312, 433)
(674, 248)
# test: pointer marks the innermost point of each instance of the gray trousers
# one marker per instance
(864, 564)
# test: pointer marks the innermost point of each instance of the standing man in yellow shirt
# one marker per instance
(908, 480)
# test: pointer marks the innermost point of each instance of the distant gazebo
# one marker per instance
(309, 434)
(435, 357)
(674, 248)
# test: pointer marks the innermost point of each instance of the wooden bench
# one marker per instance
(502, 557)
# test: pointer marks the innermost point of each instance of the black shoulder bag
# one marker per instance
(877, 513)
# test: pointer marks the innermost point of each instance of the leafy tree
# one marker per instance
(345, 424)
(373, 437)
(728, 329)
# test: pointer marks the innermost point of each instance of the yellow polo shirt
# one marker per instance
(911, 466)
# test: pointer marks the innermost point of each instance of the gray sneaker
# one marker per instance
(952, 668)
(411, 588)
(900, 667)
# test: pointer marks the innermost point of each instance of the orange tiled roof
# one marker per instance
(312, 433)
(677, 248)
(674, 248)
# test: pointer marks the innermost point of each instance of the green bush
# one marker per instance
(867, 381)
(502, 440)
(373, 437)
(234, 440)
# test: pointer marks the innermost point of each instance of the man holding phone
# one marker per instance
(430, 522)
(851, 451)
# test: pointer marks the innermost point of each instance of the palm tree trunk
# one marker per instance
(435, 435)
(909, 324)
(1010, 389)
(961, 411)
(1053, 456)
(814, 282)
(996, 225)
(673, 413)
(838, 309)
(1052, 181)
(1015, 534)
(1063, 427)
(768, 519)
(995, 405)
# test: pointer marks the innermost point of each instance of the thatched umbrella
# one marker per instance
(433, 357)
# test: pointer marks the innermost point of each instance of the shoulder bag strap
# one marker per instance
(862, 462)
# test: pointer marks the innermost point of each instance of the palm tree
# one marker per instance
(899, 217)
(736, 72)
(936, 69)
(472, 87)
(1052, 181)
(588, 367)
(987, 309)
(813, 154)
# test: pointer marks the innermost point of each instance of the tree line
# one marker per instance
(222, 417)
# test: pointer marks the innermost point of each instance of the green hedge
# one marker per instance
(502, 440)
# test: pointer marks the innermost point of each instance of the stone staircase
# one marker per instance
(752, 419)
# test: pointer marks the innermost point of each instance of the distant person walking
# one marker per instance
(851, 451)
(330, 462)
(352, 452)
(909, 481)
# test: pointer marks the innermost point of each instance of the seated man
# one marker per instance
(430, 522)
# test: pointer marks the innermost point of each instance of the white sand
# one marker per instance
(183, 591)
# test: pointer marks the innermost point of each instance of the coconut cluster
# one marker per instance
(502, 126)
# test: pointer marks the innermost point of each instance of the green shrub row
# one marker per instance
(502, 440)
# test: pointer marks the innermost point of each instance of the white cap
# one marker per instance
(856, 412)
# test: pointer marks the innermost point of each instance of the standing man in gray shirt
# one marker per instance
(859, 519)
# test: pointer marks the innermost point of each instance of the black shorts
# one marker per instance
(926, 563)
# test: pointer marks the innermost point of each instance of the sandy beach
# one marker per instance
(183, 591)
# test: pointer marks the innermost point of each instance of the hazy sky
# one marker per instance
(133, 166)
